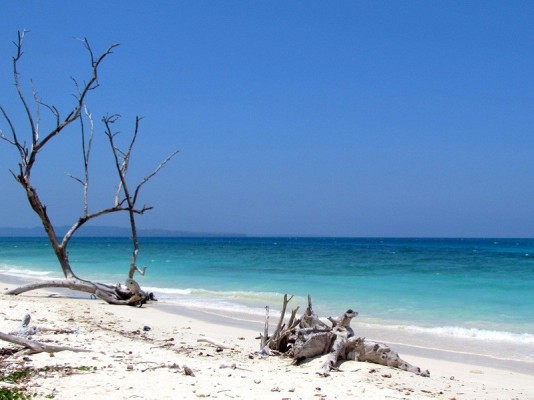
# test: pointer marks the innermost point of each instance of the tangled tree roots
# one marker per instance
(309, 337)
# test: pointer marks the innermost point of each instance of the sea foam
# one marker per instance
(23, 273)
(474, 333)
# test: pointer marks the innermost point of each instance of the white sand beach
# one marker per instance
(144, 353)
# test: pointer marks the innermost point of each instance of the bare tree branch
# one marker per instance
(15, 141)
(16, 58)
(132, 295)
(37, 111)
(86, 150)
(146, 178)
(91, 84)
(34, 347)
(122, 169)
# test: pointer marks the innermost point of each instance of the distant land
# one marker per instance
(109, 231)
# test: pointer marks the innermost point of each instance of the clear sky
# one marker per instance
(329, 118)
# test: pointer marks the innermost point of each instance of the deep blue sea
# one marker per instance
(480, 290)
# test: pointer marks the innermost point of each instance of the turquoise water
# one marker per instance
(470, 288)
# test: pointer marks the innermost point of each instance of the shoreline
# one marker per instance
(417, 344)
(128, 361)
(481, 360)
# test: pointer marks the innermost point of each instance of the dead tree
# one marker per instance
(309, 337)
(28, 150)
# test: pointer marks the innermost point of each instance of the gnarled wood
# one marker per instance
(28, 149)
(280, 337)
(110, 294)
(362, 349)
(310, 337)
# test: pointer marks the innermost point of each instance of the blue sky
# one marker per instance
(338, 118)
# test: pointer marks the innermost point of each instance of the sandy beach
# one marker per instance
(151, 353)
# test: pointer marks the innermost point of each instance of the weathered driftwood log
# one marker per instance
(309, 337)
(32, 346)
(26, 330)
(132, 295)
(215, 343)
(361, 349)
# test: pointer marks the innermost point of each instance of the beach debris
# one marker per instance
(188, 371)
(31, 346)
(146, 328)
(234, 366)
(215, 343)
(172, 366)
(308, 337)
(25, 329)
(476, 371)
(34, 347)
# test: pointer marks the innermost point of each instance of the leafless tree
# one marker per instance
(28, 149)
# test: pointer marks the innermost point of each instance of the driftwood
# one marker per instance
(31, 140)
(32, 346)
(113, 294)
(309, 337)
(215, 343)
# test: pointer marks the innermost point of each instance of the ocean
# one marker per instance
(469, 296)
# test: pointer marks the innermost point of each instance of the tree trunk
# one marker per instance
(28, 148)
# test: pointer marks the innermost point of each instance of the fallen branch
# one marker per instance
(233, 366)
(33, 347)
(215, 343)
